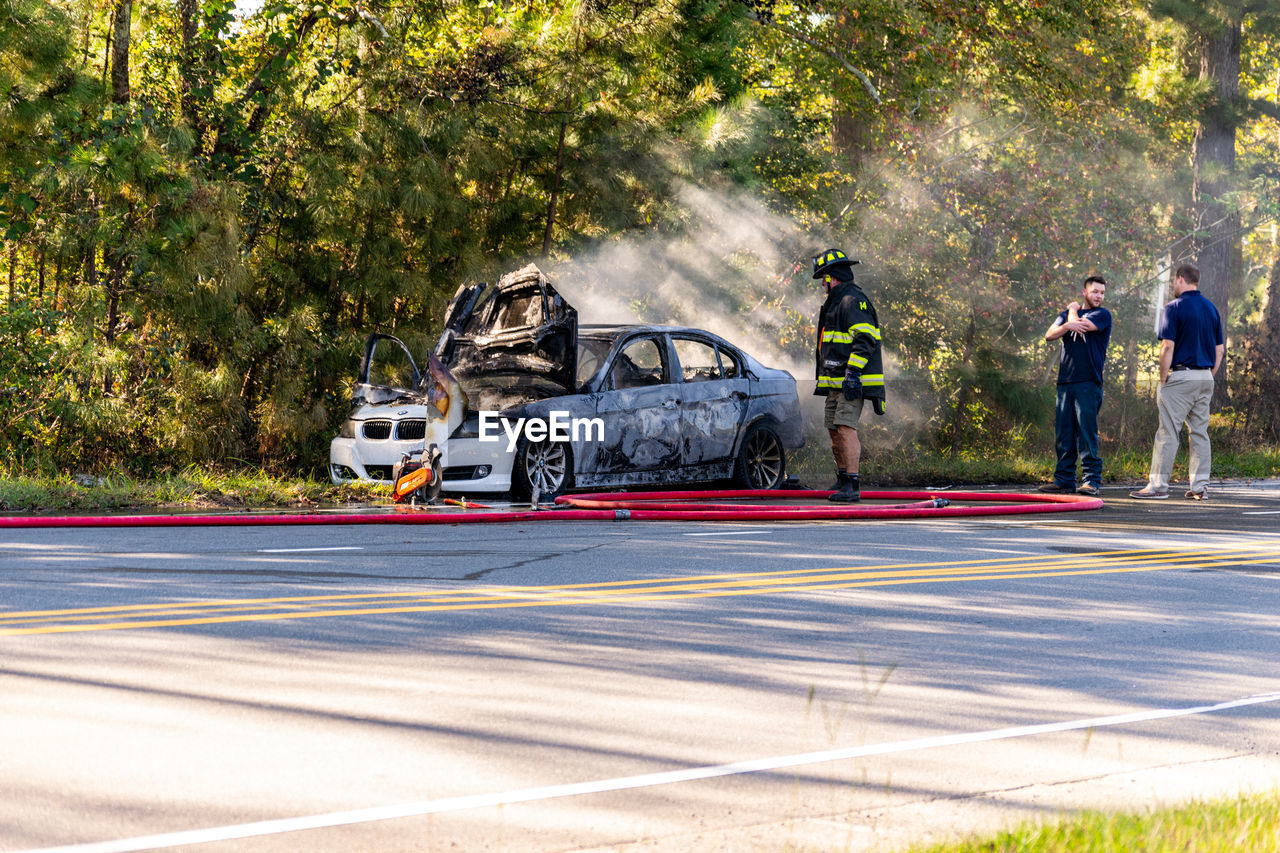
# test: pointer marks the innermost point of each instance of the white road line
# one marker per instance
(647, 780)
(303, 550)
(1023, 522)
(1264, 512)
(728, 533)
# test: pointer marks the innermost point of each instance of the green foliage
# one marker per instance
(192, 272)
(32, 391)
(191, 488)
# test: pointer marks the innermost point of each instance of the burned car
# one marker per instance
(550, 405)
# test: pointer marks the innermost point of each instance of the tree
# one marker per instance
(1216, 31)
(970, 144)
(206, 213)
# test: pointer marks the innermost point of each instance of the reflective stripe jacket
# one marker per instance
(849, 339)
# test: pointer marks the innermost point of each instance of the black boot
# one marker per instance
(850, 490)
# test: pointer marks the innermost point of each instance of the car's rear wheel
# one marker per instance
(761, 463)
(543, 465)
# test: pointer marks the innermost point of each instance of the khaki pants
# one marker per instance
(1183, 398)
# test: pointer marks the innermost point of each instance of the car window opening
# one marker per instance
(698, 361)
(638, 366)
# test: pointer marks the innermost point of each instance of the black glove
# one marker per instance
(852, 386)
(878, 405)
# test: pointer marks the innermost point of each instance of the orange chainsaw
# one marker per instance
(417, 476)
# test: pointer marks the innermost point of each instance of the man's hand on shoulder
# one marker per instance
(1078, 328)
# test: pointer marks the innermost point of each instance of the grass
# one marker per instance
(1247, 824)
(905, 466)
(917, 467)
(192, 488)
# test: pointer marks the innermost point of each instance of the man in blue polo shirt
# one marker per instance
(1085, 330)
(1191, 349)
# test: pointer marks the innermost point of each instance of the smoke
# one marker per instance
(736, 269)
(742, 271)
(977, 230)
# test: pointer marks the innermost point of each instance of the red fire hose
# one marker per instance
(672, 506)
(625, 506)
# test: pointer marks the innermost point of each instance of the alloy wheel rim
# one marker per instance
(546, 467)
(764, 461)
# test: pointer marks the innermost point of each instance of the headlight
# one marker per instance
(348, 429)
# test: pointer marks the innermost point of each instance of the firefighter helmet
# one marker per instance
(829, 260)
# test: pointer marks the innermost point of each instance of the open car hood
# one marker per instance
(520, 325)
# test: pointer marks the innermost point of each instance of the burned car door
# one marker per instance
(387, 372)
(714, 393)
(641, 413)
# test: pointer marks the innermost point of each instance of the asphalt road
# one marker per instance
(633, 686)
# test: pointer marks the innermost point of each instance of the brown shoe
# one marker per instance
(1091, 491)
(1196, 496)
(1054, 489)
(1149, 495)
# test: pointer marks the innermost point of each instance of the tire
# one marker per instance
(761, 463)
(547, 465)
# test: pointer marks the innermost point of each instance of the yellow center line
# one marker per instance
(797, 578)
(628, 592)
(600, 599)
(520, 590)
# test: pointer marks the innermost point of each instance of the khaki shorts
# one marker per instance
(841, 412)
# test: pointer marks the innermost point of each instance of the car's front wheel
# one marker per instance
(761, 463)
(546, 466)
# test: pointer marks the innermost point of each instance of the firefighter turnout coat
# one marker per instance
(849, 339)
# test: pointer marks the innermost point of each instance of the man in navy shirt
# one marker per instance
(1191, 349)
(1085, 330)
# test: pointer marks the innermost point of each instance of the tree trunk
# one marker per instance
(1129, 390)
(982, 249)
(555, 182)
(57, 280)
(188, 22)
(115, 286)
(960, 416)
(120, 52)
(1214, 163)
(848, 136)
(91, 273)
(848, 133)
(1271, 310)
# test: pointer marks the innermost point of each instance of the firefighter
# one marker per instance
(849, 369)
